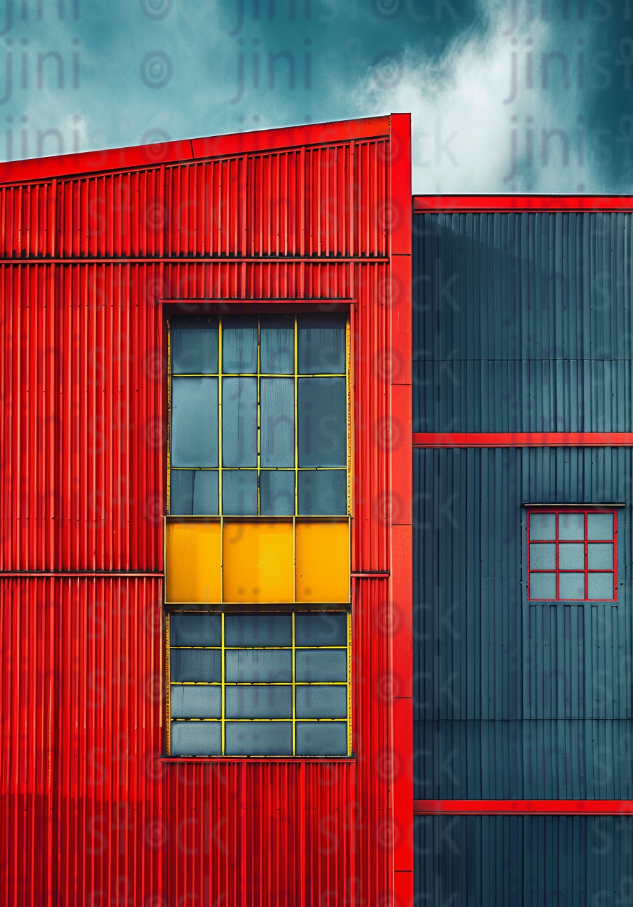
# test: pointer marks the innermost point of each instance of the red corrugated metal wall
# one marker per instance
(91, 813)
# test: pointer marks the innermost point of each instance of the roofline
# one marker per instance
(181, 151)
(499, 203)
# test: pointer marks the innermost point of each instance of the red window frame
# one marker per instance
(612, 541)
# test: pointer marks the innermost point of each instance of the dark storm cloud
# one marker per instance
(505, 96)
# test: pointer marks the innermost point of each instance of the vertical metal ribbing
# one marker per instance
(169, 415)
(251, 794)
(259, 416)
(220, 459)
(220, 482)
(296, 369)
(348, 381)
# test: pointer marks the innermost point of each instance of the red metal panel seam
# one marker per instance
(481, 204)
(522, 439)
(398, 218)
(522, 807)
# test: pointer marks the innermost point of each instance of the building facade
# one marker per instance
(315, 531)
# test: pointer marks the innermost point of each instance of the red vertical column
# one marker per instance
(401, 584)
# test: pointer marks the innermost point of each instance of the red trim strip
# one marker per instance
(487, 203)
(523, 439)
(519, 807)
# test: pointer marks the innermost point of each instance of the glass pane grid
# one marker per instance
(300, 688)
(572, 555)
(317, 488)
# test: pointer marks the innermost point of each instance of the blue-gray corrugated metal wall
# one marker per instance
(516, 699)
(522, 322)
(527, 861)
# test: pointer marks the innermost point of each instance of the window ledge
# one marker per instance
(246, 759)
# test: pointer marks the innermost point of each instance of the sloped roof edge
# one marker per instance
(180, 151)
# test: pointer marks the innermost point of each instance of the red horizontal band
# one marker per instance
(524, 439)
(487, 203)
(522, 807)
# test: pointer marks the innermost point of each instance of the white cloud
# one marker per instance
(462, 115)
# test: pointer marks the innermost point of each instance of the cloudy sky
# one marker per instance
(505, 95)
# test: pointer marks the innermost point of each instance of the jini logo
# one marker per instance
(26, 71)
(254, 70)
(33, 10)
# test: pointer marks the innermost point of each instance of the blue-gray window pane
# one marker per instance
(543, 557)
(571, 586)
(600, 557)
(194, 422)
(239, 421)
(181, 491)
(258, 630)
(258, 702)
(195, 630)
(571, 526)
(321, 665)
(542, 585)
(277, 354)
(201, 665)
(316, 739)
(239, 492)
(320, 344)
(239, 345)
(277, 421)
(321, 629)
(205, 492)
(277, 493)
(571, 557)
(194, 352)
(321, 702)
(599, 525)
(599, 585)
(258, 666)
(323, 492)
(542, 526)
(196, 738)
(322, 412)
(258, 738)
(195, 702)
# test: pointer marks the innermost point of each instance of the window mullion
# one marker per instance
(557, 563)
(223, 704)
(294, 688)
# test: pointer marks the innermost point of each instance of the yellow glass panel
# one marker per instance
(323, 566)
(258, 562)
(193, 568)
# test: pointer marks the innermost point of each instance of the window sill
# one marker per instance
(250, 759)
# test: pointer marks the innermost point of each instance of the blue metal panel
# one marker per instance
(523, 322)
(524, 759)
(502, 684)
(527, 861)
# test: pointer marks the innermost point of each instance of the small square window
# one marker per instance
(572, 555)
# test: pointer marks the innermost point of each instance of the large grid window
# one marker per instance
(259, 415)
(258, 519)
(259, 684)
(572, 555)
